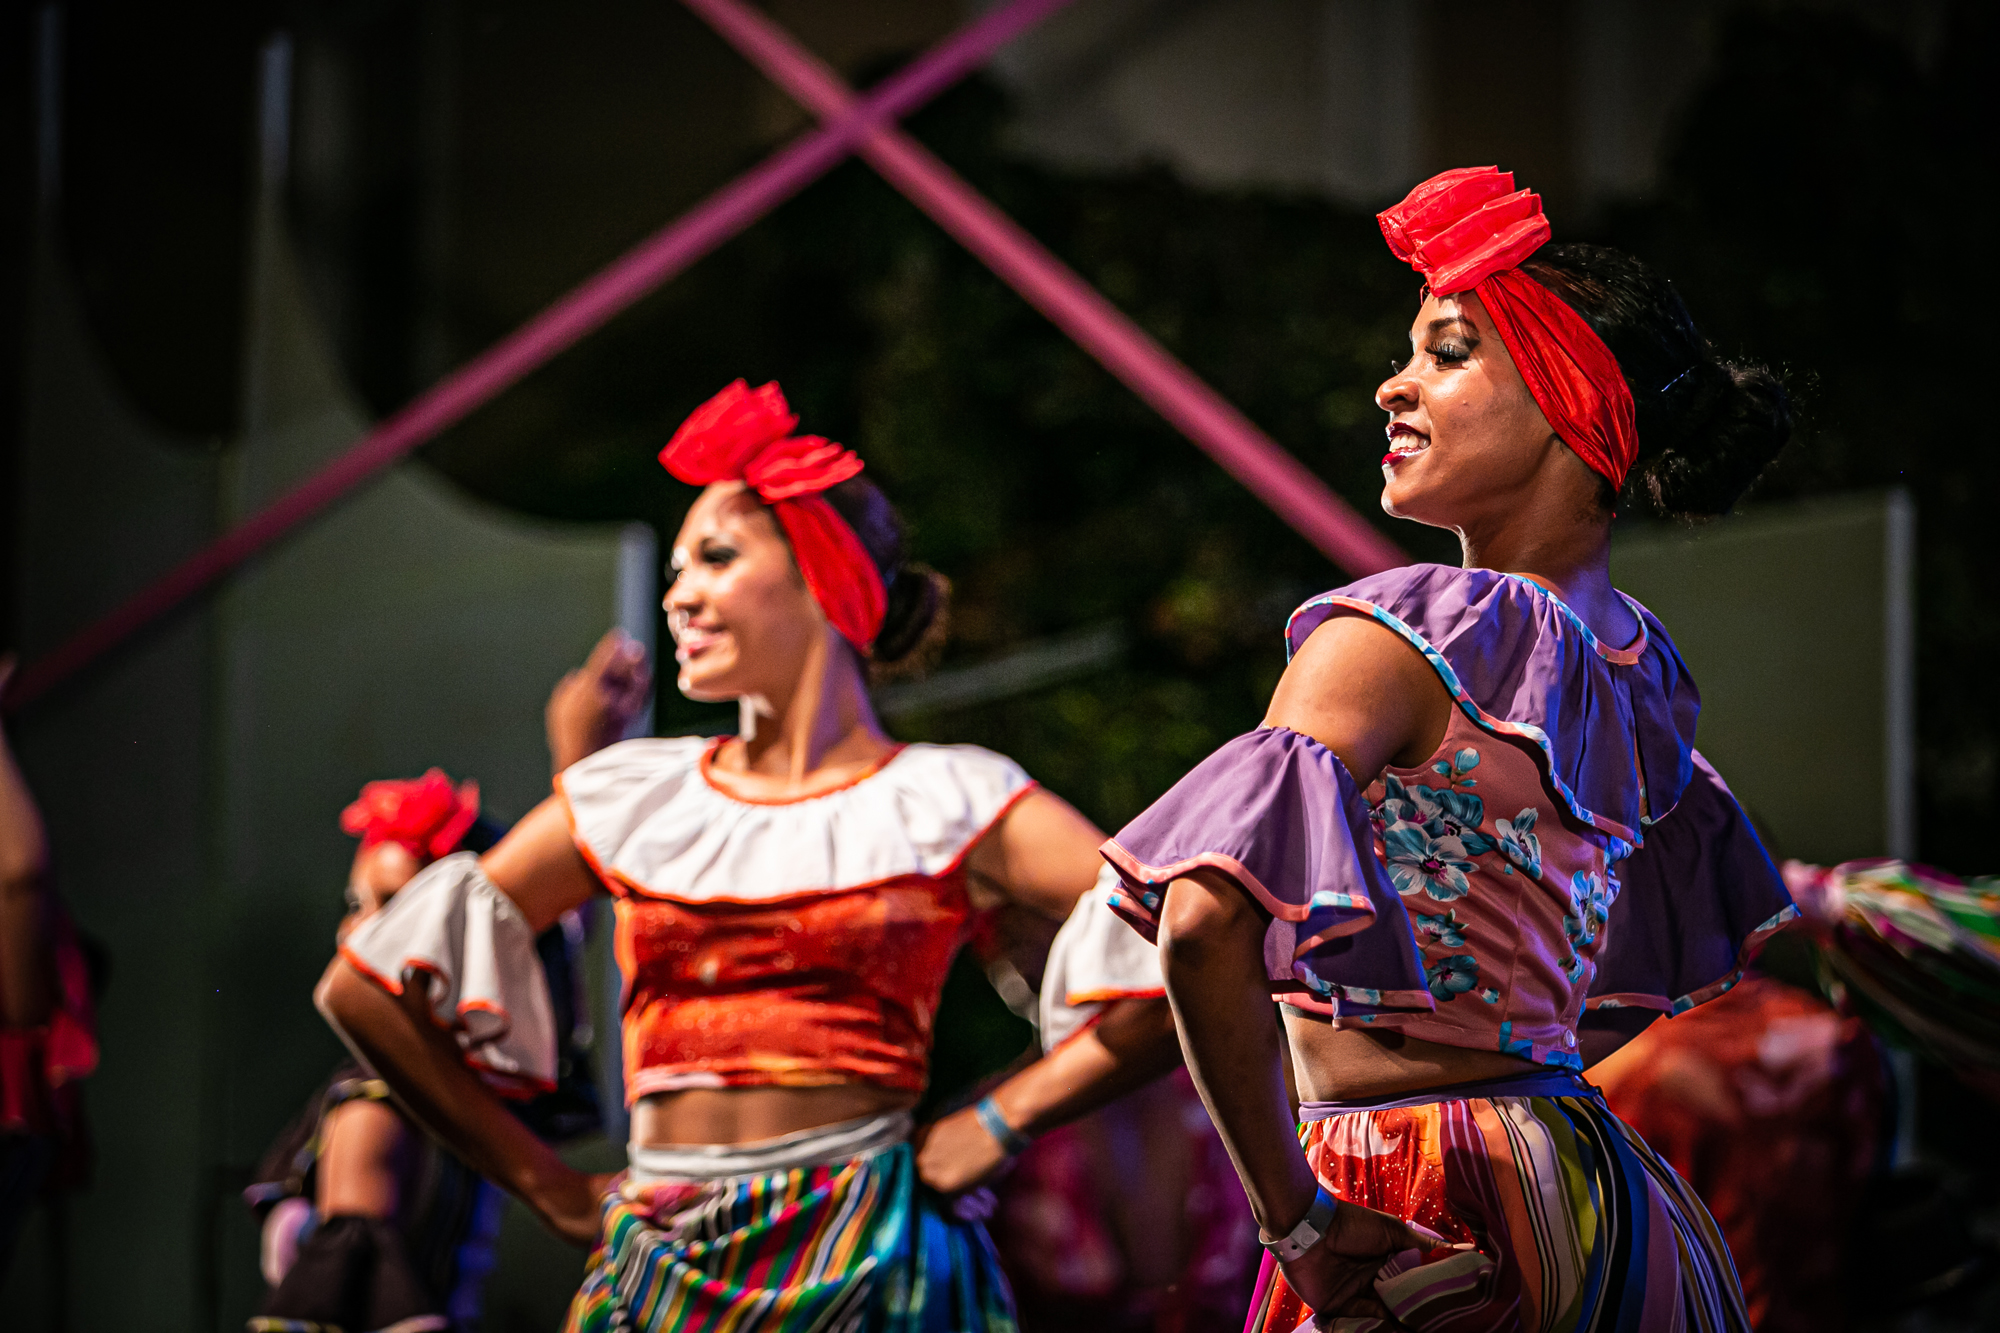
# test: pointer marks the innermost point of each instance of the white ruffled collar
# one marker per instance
(651, 822)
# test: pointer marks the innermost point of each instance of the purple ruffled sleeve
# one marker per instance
(1693, 904)
(1278, 813)
(1611, 729)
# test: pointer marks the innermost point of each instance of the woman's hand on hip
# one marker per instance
(572, 1205)
(956, 1153)
(1336, 1277)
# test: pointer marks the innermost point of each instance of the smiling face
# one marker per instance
(1468, 447)
(742, 620)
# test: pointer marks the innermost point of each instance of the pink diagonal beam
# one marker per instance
(640, 270)
(1100, 328)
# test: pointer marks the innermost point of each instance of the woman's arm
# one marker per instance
(1212, 952)
(1130, 1046)
(539, 868)
(25, 990)
(1360, 691)
(1043, 857)
(427, 1073)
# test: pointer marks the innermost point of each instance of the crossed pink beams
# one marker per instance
(863, 126)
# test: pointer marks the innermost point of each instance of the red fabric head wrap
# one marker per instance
(427, 815)
(1469, 230)
(745, 435)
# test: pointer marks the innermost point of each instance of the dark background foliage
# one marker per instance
(1797, 219)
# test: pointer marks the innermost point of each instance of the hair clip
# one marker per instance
(1677, 379)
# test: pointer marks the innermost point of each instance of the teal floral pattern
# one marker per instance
(1452, 976)
(1397, 806)
(1431, 834)
(1444, 928)
(1590, 898)
(1419, 863)
(1432, 838)
(1519, 844)
(1462, 762)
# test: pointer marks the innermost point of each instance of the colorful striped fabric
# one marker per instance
(1563, 1219)
(1916, 953)
(857, 1245)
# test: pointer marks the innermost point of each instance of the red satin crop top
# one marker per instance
(795, 943)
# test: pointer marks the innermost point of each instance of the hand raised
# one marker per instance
(592, 706)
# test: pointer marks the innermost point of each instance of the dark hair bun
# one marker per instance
(918, 616)
(915, 626)
(1736, 420)
(1707, 427)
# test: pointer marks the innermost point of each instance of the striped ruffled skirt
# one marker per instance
(1562, 1217)
(854, 1244)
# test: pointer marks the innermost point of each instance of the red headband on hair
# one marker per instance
(745, 435)
(1469, 230)
(427, 815)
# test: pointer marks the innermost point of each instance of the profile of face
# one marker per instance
(743, 621)
(1467, 442)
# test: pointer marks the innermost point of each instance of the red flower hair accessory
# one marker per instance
(427, 815)
(744, 434)
(1469, 230)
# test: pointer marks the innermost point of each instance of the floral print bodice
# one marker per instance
(1565, 848)
(1508, 901)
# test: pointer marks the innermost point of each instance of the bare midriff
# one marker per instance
(1342, 1064)
(746, 1115)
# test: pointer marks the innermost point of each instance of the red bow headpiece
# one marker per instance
(1469, 230)
(427, 815)
(745, 435)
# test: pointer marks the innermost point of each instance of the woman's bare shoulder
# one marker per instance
(1364, 692)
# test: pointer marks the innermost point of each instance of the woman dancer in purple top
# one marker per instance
(1472, 848)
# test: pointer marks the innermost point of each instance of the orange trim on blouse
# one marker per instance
(512, 1086)
(804, 990)
(706, 767)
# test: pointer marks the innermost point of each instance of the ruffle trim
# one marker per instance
(650, 823)
(1370, 597)
(1751, 944)
(472, 948)
(1282, 800)
(1095, 961)
(1498, 726)
(1137, 872)
(1692, 908)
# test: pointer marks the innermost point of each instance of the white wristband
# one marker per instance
(1308, 1232)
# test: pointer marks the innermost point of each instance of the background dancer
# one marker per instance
(48, 1039)
(1431, 851)
(788, 902)
(365, 1223)
(1131, 1218)
(1774, 1106)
